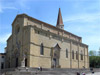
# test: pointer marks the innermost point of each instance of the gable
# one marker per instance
(57, 47)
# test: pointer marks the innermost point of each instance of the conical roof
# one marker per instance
(59, 20)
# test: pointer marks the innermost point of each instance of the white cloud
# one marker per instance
(3, 7)
(3, 38)
(24, 3)
(87, 26)
(83, 17)
(13, 5)
(0, 7)
(10, 8)
(93, 41)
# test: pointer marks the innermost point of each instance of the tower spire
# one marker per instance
(60, 20)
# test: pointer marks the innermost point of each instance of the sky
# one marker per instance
(80, 17)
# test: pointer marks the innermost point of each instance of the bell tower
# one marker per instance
(60, 20)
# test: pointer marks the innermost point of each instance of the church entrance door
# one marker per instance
(55, 56)
(2, 65)
(16, 62)
(26, 62)
(54, 62)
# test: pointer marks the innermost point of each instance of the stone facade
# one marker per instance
(60, 48)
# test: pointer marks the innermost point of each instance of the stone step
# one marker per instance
(35, 71)
(29, 73)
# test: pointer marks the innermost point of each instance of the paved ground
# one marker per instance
(96, 73)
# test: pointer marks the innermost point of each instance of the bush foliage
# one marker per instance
(94, 61)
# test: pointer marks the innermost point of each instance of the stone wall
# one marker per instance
(40, 37)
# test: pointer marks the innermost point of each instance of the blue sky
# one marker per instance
(80, 17)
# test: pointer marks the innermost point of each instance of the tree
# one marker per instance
(92, 53)
(99, 52)
(94, 61)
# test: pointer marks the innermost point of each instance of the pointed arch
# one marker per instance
(57, 46)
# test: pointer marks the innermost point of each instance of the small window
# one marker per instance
(41, 49)
(66, 53)
(17, 29)
(72, 54)
(2, 56)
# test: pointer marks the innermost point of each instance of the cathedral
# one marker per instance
(34, 43)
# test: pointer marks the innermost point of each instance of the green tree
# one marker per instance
(99, 52)
(92, 53)
(94, 61)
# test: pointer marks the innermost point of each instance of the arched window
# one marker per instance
(76, 55)
(66, 53)
(17, 29)
(42, 49)
(81, 55)
(72, 54)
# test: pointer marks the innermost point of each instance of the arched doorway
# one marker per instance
(16, 62)
(26, 62)
(2, 65)
(55, 56)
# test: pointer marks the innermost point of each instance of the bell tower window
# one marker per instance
(17, 29)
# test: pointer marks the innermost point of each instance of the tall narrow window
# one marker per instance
(66, 53)
(72, 54)
(81, 55)
(42, 49)
(8, 64)
(76, 55)
(17, 29)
